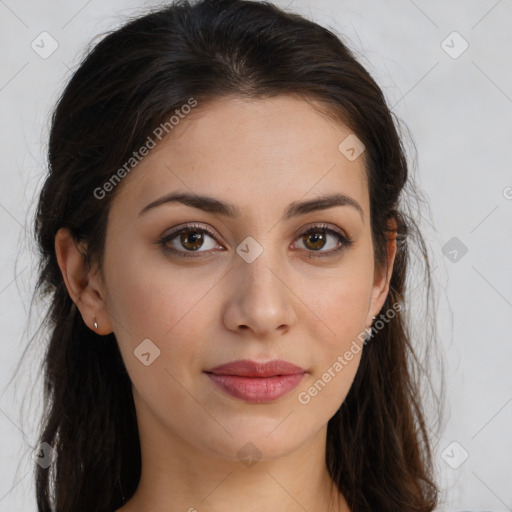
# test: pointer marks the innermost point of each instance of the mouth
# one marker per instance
(256, 382)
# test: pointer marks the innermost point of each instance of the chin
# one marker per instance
(263, 440)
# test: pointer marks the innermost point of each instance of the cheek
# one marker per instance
(171, 308)
(344, 307)
(324, 393)
(344, 319)
(163, 306)
(339, 340)
(339, 306)
(156, 299)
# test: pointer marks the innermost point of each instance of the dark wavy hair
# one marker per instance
(379, 448)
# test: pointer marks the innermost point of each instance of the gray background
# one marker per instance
(458, 108)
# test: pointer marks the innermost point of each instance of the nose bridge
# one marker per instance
(259, 299)
(259, 275)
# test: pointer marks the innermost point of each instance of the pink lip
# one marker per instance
(256, 382)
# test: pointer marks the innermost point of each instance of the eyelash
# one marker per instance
(344, 241)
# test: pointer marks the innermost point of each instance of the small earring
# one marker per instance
(95, 324)
(368, 332)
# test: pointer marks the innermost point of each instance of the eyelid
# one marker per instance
(322, 226)
(189, 226)
(344, 239)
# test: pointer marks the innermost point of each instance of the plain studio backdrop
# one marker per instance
(445, 68)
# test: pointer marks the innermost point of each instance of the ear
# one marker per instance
(383, 276)
(84, 285)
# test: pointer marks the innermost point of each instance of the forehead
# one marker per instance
(256, 153)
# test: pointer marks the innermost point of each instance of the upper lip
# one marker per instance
(248, 368)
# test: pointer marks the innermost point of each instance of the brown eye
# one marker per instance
(191, 240)
(317, 238)
(314, 241)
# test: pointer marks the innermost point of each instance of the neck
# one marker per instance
(179, 477)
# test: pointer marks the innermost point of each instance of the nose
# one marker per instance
(260, 300)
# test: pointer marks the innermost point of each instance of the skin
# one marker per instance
(260, 155)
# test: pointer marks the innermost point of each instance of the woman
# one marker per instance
(226, 257)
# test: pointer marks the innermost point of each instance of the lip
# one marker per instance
(256, 382)
(248, 368)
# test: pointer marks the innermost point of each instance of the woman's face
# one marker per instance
(251, 286)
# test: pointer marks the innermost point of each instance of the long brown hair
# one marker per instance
(379, 452)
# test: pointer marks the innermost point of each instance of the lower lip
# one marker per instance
(256, 389)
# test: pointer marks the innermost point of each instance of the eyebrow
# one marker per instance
(215, 206)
